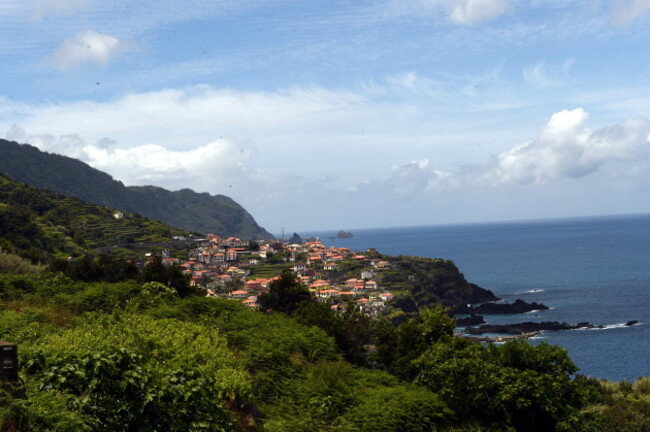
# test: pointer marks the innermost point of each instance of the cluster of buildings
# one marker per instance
(225, 267)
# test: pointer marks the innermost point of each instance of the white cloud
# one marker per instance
(213, 166)
(477, 11)
(566, 148)
(87, 47)
(625, 12)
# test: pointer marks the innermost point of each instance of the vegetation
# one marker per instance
(37, 224)
(14, 264)
(432, 281)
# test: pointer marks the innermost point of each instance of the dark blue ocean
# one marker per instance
(584, 269)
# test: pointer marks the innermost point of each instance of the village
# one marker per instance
(243, 270)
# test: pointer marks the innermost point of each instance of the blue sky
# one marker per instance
(344, 114)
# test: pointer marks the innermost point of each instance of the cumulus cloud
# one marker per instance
(412, 178)
(209, 166)
(153, 163)
(625, 12)
(564, 149)
(477, 11)
(87, 47)
(567, 148)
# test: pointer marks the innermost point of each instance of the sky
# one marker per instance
(344, 114)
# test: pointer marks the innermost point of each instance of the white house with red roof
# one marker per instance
(371, 285)
(327, 293)
(240, 294)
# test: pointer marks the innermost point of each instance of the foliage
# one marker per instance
(515, 385)
(155, 292)
(43, 411)
(333, 396)
(613, 407)
(14, 264)
(130, 371)
(398, 409)
(90, 269)
(350, 330)
(272, 347)
(398, 347)
(39, 223)
(172, 276)
(433, 281)
(285, 294)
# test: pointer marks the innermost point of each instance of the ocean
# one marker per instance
(585, 269)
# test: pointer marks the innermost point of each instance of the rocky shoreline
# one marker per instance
(475, 324)
(534, 327)
(489, 308)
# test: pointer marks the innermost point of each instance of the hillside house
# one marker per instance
(251, 302)
(239, 294)
(371, 285)
(327, 293)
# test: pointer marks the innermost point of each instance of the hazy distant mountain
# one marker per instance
(200, 212)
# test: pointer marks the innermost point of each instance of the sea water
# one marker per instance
(584, 269)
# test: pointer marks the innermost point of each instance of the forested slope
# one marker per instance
(39, 224)
(199, 212)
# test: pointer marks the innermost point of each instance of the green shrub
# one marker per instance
(130, 372)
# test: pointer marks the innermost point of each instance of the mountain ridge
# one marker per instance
(185, 208)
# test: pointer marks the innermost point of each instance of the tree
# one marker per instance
(350, 330)
(515, 385)
(285, 294)
(171, 276)
(398, 347)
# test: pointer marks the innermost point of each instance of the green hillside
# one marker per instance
(199, 212)
(37, 224)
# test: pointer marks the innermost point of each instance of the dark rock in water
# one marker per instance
(527, 327)
(296, 239)
(344, 234)
(470, 321)
(519, 306)
(631, 323)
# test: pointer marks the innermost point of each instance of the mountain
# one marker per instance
(198, 212)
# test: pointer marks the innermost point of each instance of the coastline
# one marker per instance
(588, 269)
